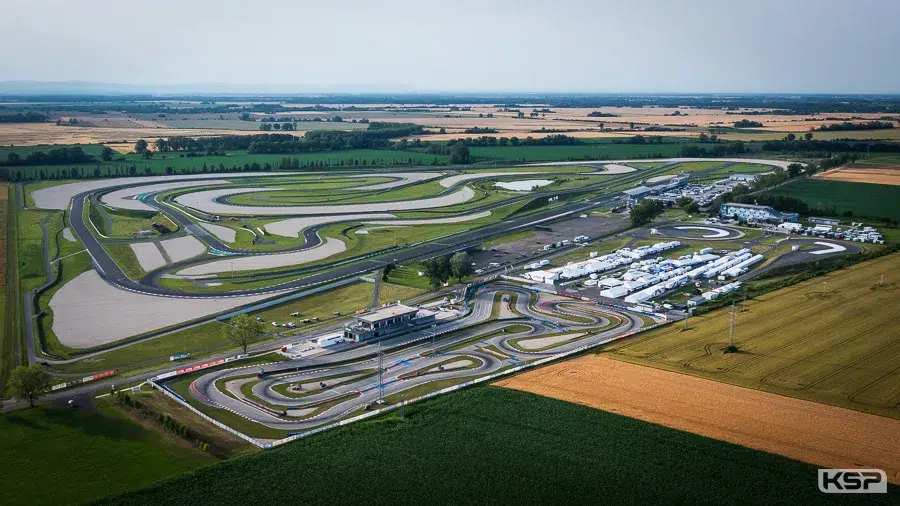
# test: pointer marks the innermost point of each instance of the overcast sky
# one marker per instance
(488, 45)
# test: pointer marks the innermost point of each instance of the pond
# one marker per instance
(523, 186)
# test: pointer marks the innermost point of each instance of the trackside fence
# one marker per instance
(386, 409)
(460, 386)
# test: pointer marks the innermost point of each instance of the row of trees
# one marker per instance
(721, 149)
(276, 126)
(439, 270)
(645, 211)
(58, 156)
(846, 125)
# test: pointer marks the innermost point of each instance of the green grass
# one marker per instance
(463, 447)
(124, 257)
(601, 150)
(828, 339)
(233, 161)
(875, 201)
(408, 275)
(67, 456)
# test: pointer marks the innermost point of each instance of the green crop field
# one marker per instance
(591, 151)
(498, 445)
(827, 340)
(836, 197)
(68, 456)
(231, 161)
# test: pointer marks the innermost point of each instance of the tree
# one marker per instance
(808, 136)
(791, 137)
(140, 146)
(147, 154)
(794, 169)
(107, 154)
(461, 265)
(644, 211)
(162, 145)
(29, 382)
(460, 154)
(243, 330)
(438, 270)
(287, 126)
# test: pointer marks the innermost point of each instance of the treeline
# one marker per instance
(23, 117)
(813, 146)
(598, 114)
(719, 149)
(746, 123)
(847, 125)
(639, 139)
(481, 130)
(58, 156)
(487, 141)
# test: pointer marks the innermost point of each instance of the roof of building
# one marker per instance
(386, 312)
(749, 206)
(639, 190)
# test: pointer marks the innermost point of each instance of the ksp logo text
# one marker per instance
(852, 481)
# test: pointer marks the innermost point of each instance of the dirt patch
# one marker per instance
(819, 434)
(876, 175)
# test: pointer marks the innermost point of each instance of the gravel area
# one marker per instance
(59, 196)
(433, 221)
(614, 168)
(203, 201)
(182, 248)
(543, 342)
(224, 234)
(447, 182)
(87, 311)
(292, 227)
(251, 263)
(402, 178)
(124, 198)
(68, 235)
(148, 255)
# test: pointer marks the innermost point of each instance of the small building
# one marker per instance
(743, 177)
(755, 213)
(696, 301)
(825, 221)
(790, 226)
(387, 321)
(638, 192)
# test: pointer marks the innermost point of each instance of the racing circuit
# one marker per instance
(243, 239)
(345, 380)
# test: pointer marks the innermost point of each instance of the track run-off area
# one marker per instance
(503, 329)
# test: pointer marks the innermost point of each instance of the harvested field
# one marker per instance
(32, 134)
(816, 433)
(876, 175)
(88, 311)
(251, 263)
(831, 339)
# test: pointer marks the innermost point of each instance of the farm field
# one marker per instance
(590, 151)
(230, 161)
(460, 443)
(798, 429)
(826, 340)
(863, 199)
(874, 175)
(65, 456)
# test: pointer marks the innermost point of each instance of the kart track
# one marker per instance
(332, 386)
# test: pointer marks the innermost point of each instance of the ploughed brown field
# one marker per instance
(877, 175)
(816, 433)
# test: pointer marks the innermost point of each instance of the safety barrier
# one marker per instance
(177, 398)
(460, 386)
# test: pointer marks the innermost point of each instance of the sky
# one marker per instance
(292, 46)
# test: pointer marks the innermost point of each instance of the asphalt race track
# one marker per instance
(356, 385)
